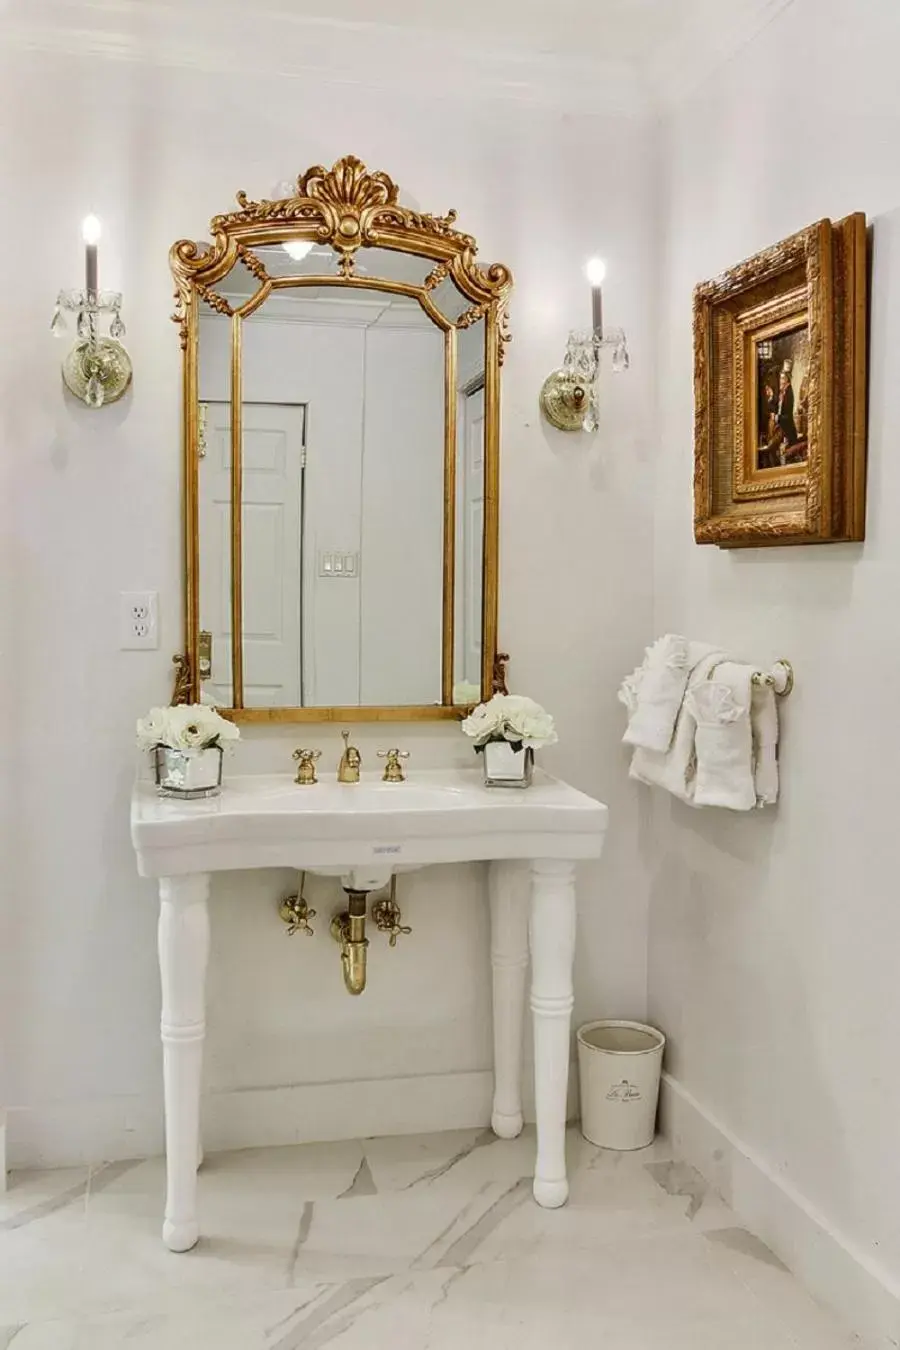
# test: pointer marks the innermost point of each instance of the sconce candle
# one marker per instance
(596, 271)
(90, 233)
(570, 396)
(97, 369)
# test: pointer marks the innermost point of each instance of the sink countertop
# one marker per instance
(436, 816)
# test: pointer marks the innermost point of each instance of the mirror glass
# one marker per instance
(343, 472)
(341, 418)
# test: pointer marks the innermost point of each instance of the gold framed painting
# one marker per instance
(780, 393)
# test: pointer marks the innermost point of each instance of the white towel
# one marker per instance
(654, 693)
(724, 741)
(764, 725)
(675, 769)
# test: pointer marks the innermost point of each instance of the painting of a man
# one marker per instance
(782, 361)
(785, 414)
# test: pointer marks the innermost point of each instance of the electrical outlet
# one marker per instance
(138, 626)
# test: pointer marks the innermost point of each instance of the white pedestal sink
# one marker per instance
(365, 832)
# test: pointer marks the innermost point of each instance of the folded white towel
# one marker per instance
(764, 725)
(724, 741)
(675, 769)
(655, 692)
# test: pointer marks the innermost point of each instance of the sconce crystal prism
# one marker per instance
(570, 396)
(97, 369)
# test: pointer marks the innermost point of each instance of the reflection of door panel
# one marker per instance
(473, 523)
(273, 437)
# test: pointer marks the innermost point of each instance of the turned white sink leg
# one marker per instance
(552, 929)
(509, 963)
(183, 953)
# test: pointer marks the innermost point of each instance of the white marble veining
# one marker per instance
(419, 1241)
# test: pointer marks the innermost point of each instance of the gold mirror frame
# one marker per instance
(349, 208)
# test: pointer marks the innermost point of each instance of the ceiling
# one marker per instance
(633, 28)
(577, 55)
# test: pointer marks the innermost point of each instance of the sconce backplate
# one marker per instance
(105, 359)
(564, 400)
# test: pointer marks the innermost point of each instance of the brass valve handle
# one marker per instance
(393, 769)
(306, 765)
(387, 916)
(396, 931)
(296, 913)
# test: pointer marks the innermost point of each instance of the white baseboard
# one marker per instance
(112, 1129)
(863, 1293)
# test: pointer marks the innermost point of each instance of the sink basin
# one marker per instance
(436, 816)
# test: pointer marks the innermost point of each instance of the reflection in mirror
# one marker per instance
(450, 300)
(343, 499)
(214, 483)
(392, 266)
(298, 258)
(467, 628)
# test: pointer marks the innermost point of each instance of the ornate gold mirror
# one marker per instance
(342, 359)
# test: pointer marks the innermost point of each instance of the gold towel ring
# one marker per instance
(788, 677)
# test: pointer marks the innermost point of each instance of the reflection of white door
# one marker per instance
(472, 531)
(273, 440)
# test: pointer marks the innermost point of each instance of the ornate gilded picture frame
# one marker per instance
(345, 209)
(780, 393)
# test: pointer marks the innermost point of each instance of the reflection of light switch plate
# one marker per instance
(333, 564)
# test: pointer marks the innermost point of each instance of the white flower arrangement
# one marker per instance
(187, 726)
(512, 718)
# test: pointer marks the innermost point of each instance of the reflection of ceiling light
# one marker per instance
(297, 248)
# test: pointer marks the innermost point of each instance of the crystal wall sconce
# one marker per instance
(97, 369)
(570, 396)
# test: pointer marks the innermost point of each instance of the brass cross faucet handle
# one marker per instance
(351, 760)
(296, 913)
(393, 769)
(306, 765)
(387, 916)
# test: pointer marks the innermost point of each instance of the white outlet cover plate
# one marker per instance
(138, 620)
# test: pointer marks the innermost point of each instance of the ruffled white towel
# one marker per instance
(724, 740)
(654, 693)
(675, 769)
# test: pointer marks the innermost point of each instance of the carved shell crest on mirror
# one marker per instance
(342, 358)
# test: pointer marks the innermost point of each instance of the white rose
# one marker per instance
(188, 726)
(528, 722)
(513, 718)
(152, 729)
(484, 723)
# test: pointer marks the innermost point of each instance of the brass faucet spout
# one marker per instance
(350, 762)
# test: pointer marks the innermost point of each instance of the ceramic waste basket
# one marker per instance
(619, 1064)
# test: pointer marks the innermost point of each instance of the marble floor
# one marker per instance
(422, 1242)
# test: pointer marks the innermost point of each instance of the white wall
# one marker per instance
(774, 936)
(91, 507)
